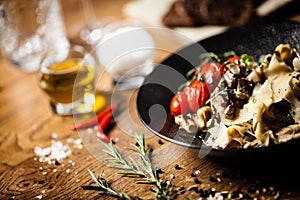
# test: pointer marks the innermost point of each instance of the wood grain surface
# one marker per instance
(26, 122)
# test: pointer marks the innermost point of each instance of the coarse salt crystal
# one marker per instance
(54, 136)
(39, 197)
(77, 143)
(57, 151)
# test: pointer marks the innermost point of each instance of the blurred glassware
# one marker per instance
(93, 32)
(29, 29)
(69, 83)
(127, 52)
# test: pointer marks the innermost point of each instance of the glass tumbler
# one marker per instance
(29, 29)
(127, 52)
(69, 83)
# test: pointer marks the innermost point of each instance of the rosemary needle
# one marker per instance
(106, 188)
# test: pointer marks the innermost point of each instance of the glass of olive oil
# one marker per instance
(69, 83)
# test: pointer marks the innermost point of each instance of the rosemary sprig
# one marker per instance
(145, 172)
(106, 188)
(116, 161)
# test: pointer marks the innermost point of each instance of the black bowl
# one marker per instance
(159, 87)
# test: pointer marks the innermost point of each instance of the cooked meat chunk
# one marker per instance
(178, 16)
(244, 89)
(213, 12)
(220, 12)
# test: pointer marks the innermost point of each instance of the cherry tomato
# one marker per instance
(179, 104)
(233, 59)
(212, 73)
(201, 93)
(192, 98)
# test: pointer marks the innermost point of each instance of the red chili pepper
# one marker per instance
(102, 136)
(104, 122)
(103, 126)
(95, 120)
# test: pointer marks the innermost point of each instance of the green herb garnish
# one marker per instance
(143, 171)
(229, 54)
(106, 188)
(247, 59)
(208, 57)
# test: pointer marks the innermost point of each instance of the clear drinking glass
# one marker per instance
(69, 83)
(29, 30)
(127, 52)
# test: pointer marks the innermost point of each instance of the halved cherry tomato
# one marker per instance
(179, 104)
(190, 99)
(212, 74)
(201, 93)
(233, 59)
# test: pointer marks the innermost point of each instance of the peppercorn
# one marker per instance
(177, 167)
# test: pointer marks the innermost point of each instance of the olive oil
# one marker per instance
(67, 82)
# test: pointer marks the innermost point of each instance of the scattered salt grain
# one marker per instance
(217, 196)
(39, 197)
(54, 136)
(56, 152)
(77, 143)
(197, 172)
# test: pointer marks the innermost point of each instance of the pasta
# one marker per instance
(259, 108)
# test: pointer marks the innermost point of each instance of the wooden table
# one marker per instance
(27, 122)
